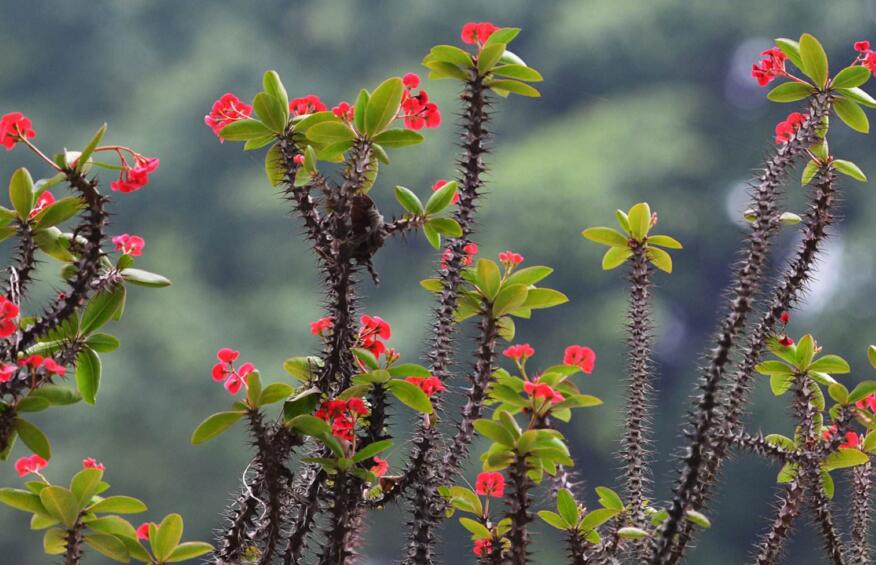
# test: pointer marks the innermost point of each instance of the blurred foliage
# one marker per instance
(641, 100)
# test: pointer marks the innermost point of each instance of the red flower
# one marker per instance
(306, 105)
(344, 111)
(6, 372)
(417, 111)
(786, 341)
(862, 46)
(143, 531)
(8, 313)
(785, 318)
(581, 357)
(91, 463)
(490, 484)
(519, 352)
(411, 80)
(469, 250)
(786, 129)
(342, 415)
(31, 464)
(483, 547)
(537, 389)
(45, 200)
(770, 67)
(298, 159)
(380, 467)
(510, 257)
(853, 440)
(870, 62)
(13, 128)
(224, 370)
(430, 385)
(473, 32)
(868, 403)
(441, 182)
(132, 179)
(373, 329)
(52, 366)
(321, 326)
(129, 244)
(228, 109)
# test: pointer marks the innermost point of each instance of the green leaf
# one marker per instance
(274, 87)
(371, 450)
(102, 343)
(479, 530)
(805, 351)
(309, 425)
(554, 519)
(489, 278)
(489, 56)
(258, 143)
(790, 92)
(494, 431)
(544, 298)
(55, 541)
(773, 368)
(529, 275)
(452, 55)
(640, 220)
(57, 395)
(214, 425)
(827, 484)
(596, 518)
(144, 278)
(858, 96)
(32, 404)
(33, 438)
(609, 499)
(441, 70)
(304, 402)
(515, 87)
(21, 192)
(359, 110)
(606, 236)
(331, 132)
(697, 518)
(850, 169)
(447, 227)
(862, 390)
(844, 457)
(244, 130)
(441, 198)
(502, 35)
(61, 504)
(506, 328)
(566, 506)
(780, 384)
(660, 259)
(383, 106)
(108, 545)
(852, 114)
(61, 211)
(398, 138)
(189, 550)
(519, 72)
(303, 368)
(88, 374)
(271, 111)
(632, 533)
(366, 357)
(510, 298)
(408, 200)
(313, 119)
(274, 392)
(118, 505)
(814, 59)
(615, 257)
(22, 500)
(253, 388)
(410, 395)
(84, 485)
(432, 236)
(274, 169)
(809, 172)
(851, 77)
(167, 537)
(664, 241)
(830, 364)
(871, 355)
(790, 48)
(839, 393)
(101, 308)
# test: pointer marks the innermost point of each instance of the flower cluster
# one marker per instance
(867, 57)
(537, 389)
(430, 385)
(228, 109)
(441, 182)
(477, 32)
(47, 363)
(373, 330)
(306, 105)
(510, 259)
(380, 467)
(852, 441)
(143, 530)
(770, 67)
(92, 463)
(416, 110)
(224, 370)
(322, 326)
(483, 547)
(30, 464)
(345, 111)
(342, 415)
(14, 127)
(490, 483)
(8, 315)
(580, 356)
(469, 250)
(132, 179)
(785, 129)
(129, 244)
(44, 200)
(867, 403)
(519, 352)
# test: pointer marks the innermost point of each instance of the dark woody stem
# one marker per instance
(576, 547)
(518, 501)
(73, 543)
(20, 273)
(769, 548)
(759, 446)
(640, 390)
(340, 534)
(307, 506)
(404, 225)
(859, 552)
(706, 417)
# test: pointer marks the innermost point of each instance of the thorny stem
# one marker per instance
(859, 513)
(73, 543)
(518, 510)
(769, 548)
(707, 416)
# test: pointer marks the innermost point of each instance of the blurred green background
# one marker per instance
(641, 100)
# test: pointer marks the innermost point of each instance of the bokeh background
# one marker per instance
(641, 100)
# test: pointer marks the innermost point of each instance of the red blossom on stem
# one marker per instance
(853, 440)
(469, 250)
(374, 329)
(580, 356)
(92, 463)
(6, 372)
(477, 32)
(770, 67)
(416, 110)
(867, 403)
(441, 182)
(345, 111)
(510, 258)
(786, 341)
(322, 326)
(9, 312)
(380, 467)
(30, 464)
(129, 244)
(228, 109)
(132, 179)
(430, 385)
(785, 318)
(14, 127)
(44, 200)
(306, 105)
(537, 389)
(862, 46)
(342, 415)
(519, 352)
(224, 370)
(786, 129)
(483, 547)
(143, 530)
(490, 483)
